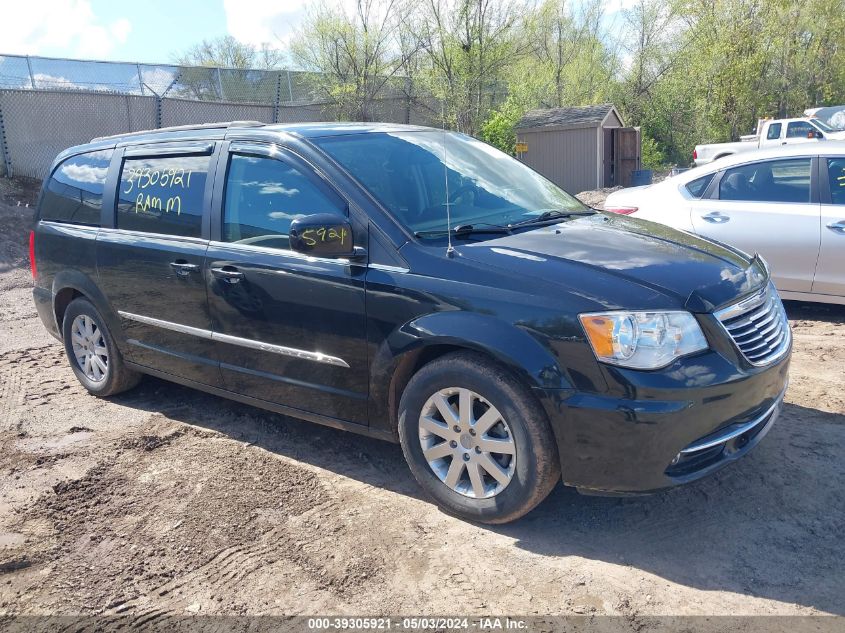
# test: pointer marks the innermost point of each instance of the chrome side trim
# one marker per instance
(731, 433)
(153, 236)
(317, 357)
(287, 254)
(167, 325)
(389, 269)
(63, 225)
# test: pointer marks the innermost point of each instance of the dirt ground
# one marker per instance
(164, 501)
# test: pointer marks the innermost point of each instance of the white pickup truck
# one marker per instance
(770, 132)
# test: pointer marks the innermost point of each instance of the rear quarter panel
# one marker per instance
(64, 252)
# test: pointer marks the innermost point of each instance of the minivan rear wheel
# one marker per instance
(92, 353)
(476, 439)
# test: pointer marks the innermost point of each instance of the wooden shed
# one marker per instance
(579, 148)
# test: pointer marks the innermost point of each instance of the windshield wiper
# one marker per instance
(547, 216)
(465, 229)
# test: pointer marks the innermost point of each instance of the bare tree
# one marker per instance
(467, 45)
(354, 56)
(227, 52)
(225, 68)
(569, 58)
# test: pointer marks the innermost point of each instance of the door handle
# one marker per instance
(838, 227)
(183, 268)
(715, 217)
(229, 274)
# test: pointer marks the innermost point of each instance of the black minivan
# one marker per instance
(418, 286)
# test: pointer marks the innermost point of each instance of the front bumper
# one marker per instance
(655, 430)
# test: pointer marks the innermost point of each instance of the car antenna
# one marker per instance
(450, 250)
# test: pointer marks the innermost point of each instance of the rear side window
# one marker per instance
(264, 195)
(836, 179)
(698, 186)
(74, 193)
(768, 181)
(774, 131)
(163, 195)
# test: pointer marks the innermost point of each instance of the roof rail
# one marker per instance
(176, 128)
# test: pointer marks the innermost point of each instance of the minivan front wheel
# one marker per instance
(93, 355)
(476, 439)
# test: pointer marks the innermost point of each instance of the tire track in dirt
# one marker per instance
(158, 522)
(11, 393)
(31, 378)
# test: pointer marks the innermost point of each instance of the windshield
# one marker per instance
(824, 127)
(408, 173)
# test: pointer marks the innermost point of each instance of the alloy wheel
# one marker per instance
(467, 443)
(89, 348)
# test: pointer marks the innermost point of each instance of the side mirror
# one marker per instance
(322, 235)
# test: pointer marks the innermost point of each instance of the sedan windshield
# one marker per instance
(416, 174)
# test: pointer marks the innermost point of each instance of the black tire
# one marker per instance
(537, 468)
(117, 376)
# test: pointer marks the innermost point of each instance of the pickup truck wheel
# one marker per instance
(476, 439)
(93, 356)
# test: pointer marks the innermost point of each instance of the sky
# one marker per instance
(150, 31)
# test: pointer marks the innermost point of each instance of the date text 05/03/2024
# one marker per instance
(417, 623)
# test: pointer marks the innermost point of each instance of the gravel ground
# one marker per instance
(165, 501)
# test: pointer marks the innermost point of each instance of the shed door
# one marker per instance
(608, 158)
(625, 150)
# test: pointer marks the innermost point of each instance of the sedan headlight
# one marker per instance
(642, 340)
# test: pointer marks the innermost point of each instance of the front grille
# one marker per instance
(758, 326)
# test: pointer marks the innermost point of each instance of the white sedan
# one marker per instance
(787, 204)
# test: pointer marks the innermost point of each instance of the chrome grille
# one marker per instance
(758, 326)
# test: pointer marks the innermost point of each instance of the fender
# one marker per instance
(508, 344)
(79, 281)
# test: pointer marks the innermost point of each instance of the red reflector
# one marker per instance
(622, 210)
(32, 266)
(695, 154)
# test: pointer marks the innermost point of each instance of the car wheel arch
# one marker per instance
(427, 338)
(70, 284)
(61, 300)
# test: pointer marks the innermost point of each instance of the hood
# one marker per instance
(623, 262)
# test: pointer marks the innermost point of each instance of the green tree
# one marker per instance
(498, 129)
(686, 71)
(566, 62)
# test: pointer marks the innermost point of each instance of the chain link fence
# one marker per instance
(49, 104)
(201, 83)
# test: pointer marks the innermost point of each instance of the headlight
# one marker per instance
(642, 340)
